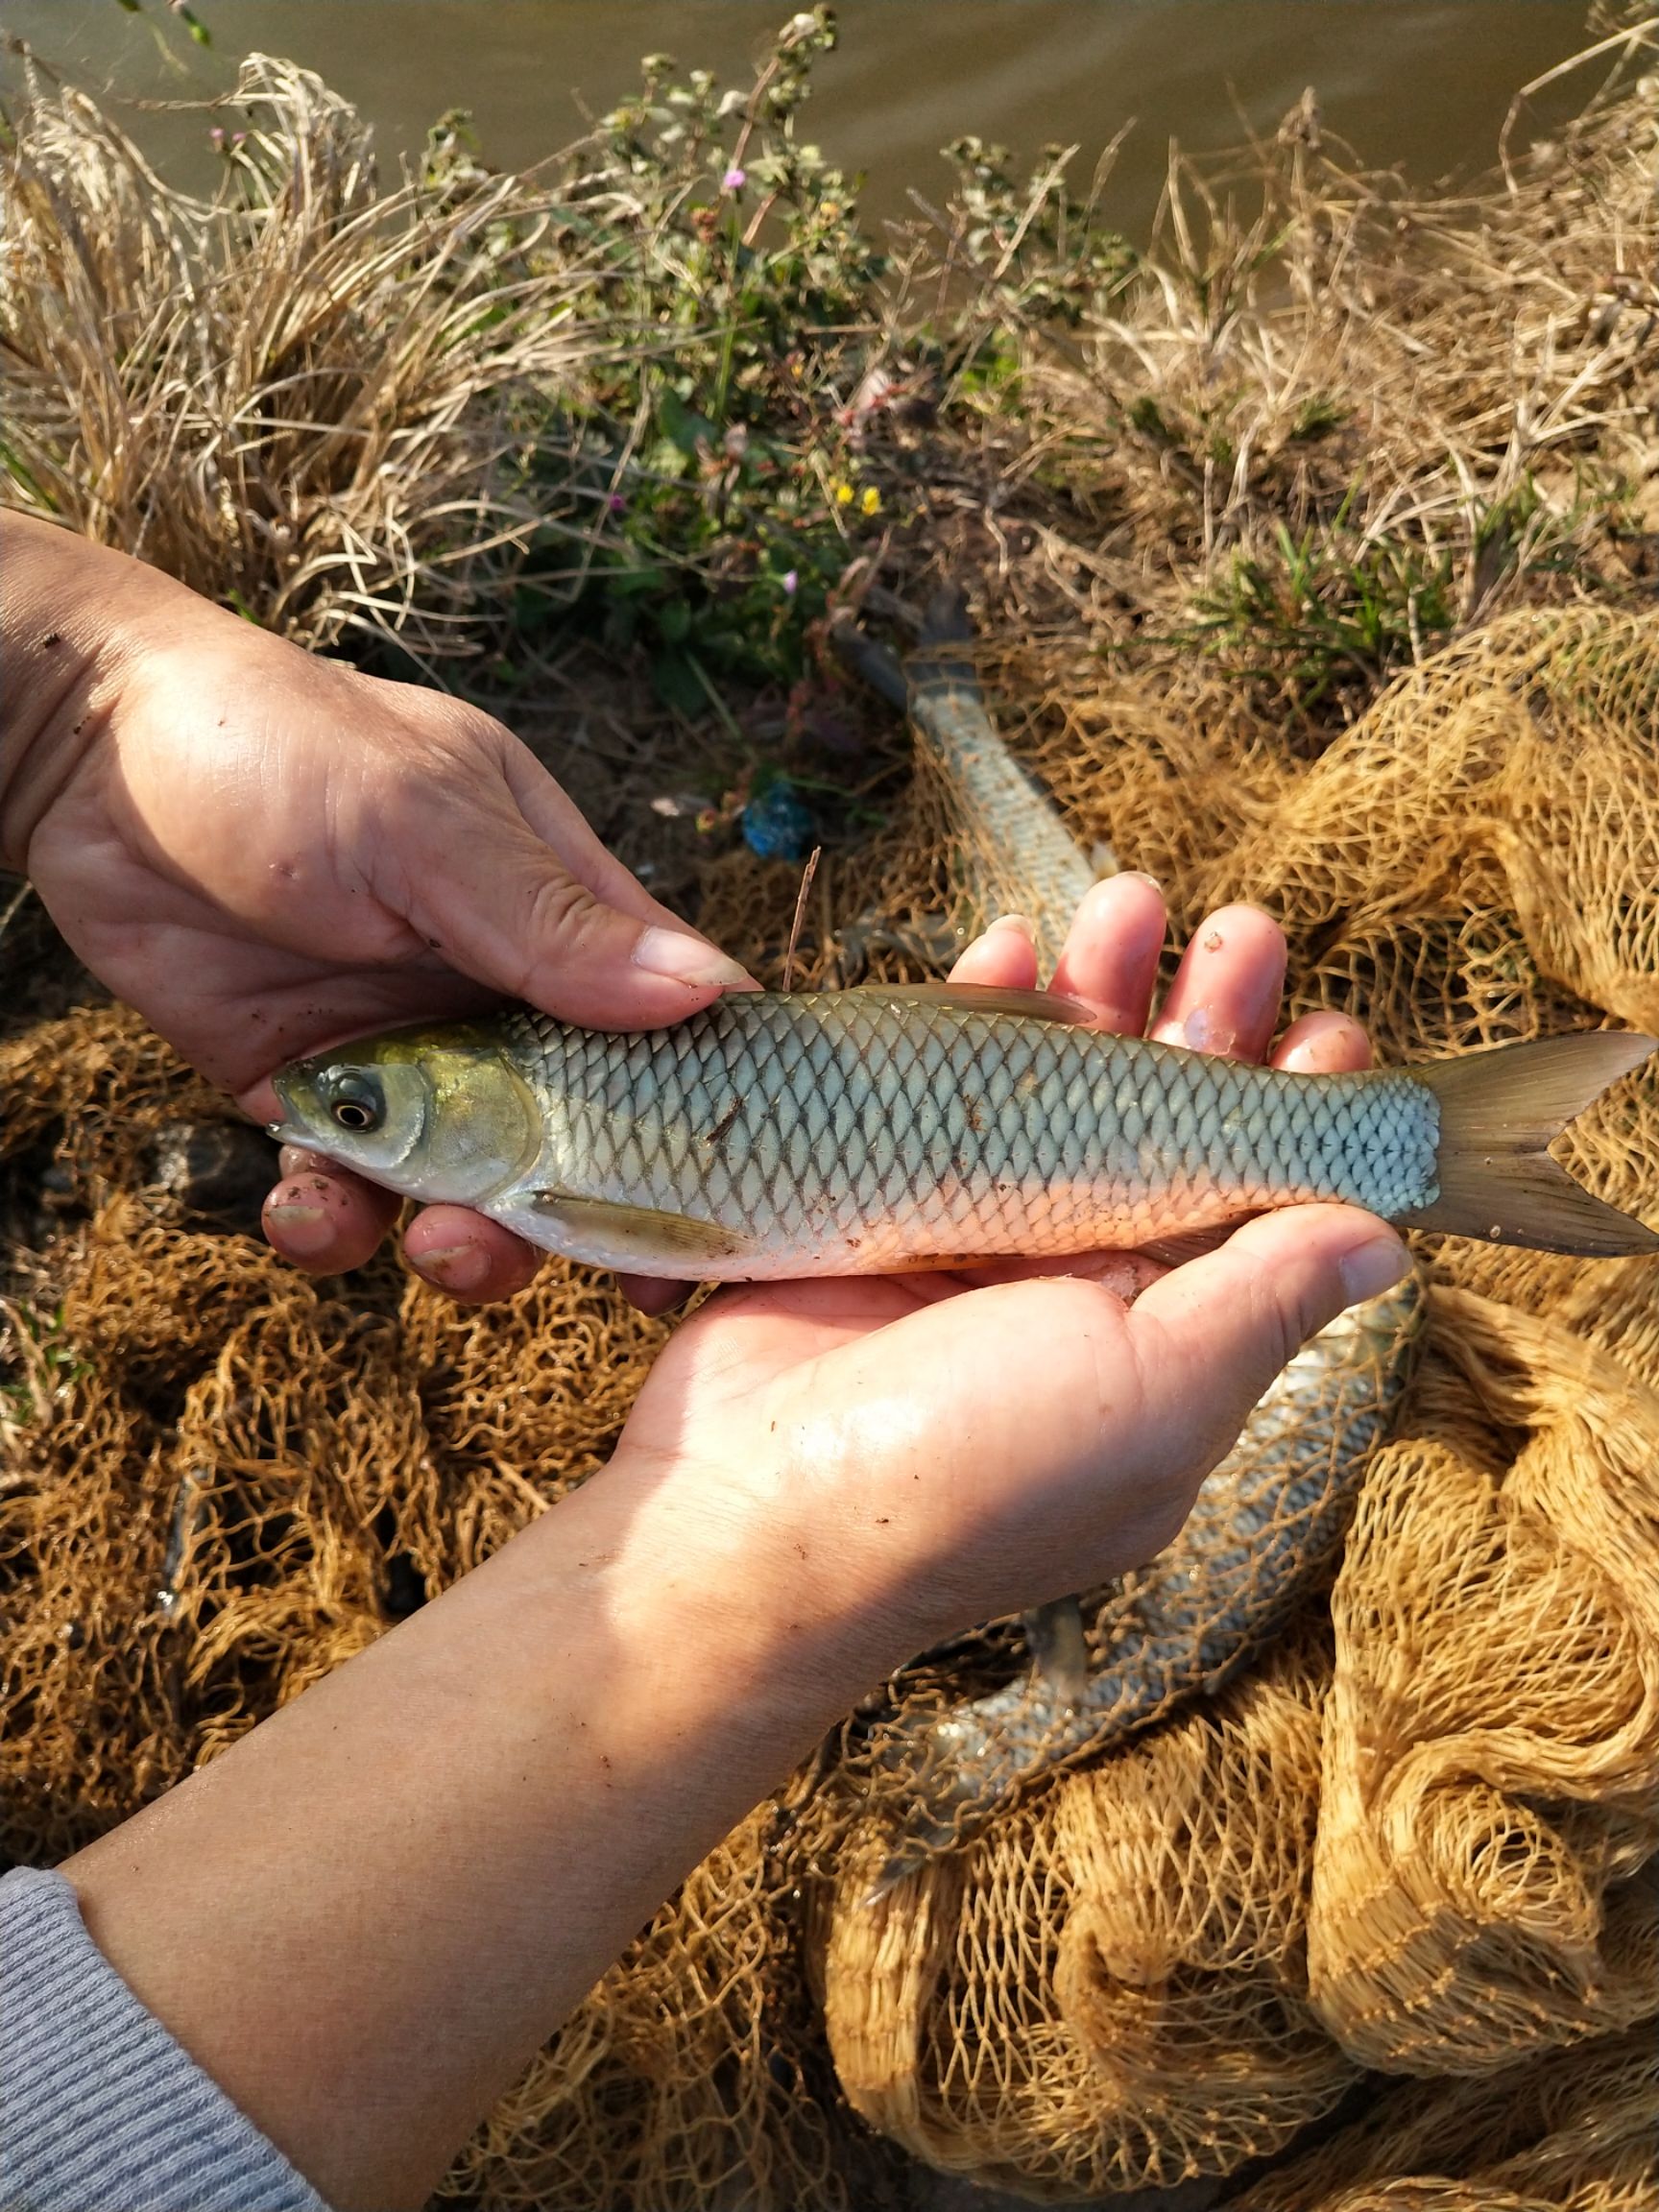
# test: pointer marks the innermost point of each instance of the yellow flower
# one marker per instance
(871, 502)
(843, 495)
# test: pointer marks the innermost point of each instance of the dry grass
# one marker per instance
(308, 396)
(1326, 423)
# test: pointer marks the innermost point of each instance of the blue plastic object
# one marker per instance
(779, 824)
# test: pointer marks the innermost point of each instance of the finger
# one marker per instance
(462, 864)
(516, 918)
(468, 1256)
(1112, 951)
(1323, 1045)
(326, 1221)
(1004, 956)
(553, 816)
(1225, 995)
(301, 1160)
(1226, 1324)
(655, 1296)
(560, 822)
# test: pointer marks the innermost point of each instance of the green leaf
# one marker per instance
(674, 621)
(676, 684)
(635, 583)
(682, 426)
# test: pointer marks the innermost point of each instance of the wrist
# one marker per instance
(754, 1603)
(76, 617)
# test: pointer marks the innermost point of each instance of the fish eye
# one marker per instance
(357, 1103)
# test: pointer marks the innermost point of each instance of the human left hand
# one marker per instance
(957, 1444)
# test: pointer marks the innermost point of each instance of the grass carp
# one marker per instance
(1268, 1524)
(851, 1132)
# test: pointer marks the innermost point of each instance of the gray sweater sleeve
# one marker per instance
(100, 2109)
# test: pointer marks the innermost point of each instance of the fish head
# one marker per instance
(435, 1113)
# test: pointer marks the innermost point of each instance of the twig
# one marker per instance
(15, 906)
(806, 874)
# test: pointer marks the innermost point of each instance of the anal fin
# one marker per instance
(1060, 1648)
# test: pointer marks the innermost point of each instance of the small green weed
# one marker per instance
(1320, 612)
(192, 23)
(722, 494)
(39, 1366)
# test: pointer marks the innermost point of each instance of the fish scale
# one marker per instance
(884, 1127)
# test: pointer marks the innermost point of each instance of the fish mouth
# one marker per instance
(290, 1130)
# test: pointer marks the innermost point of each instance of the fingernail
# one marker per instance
(688, 960)
(301, 1230)
(1106, 890)
(1020, 921)
(296, 1160)
(1373, 1267)
(459, 1267)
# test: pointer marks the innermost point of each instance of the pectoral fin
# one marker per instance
(638, 1238)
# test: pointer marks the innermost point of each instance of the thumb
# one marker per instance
(514, 915)
(1215, 1331)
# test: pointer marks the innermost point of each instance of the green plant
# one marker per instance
(192, 23)
(39, 1366)
(723, 489)
(1034, 251)
(1325, 609)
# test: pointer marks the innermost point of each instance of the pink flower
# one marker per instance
(791, 583)
(733, 180)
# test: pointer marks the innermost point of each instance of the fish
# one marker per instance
(778, 1135)
(1011, 851)
(1266, 1530)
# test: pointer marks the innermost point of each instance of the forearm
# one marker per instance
(364, 1918)
(72, 617)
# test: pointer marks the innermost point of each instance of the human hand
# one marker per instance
(953, 1446)
(267, 853)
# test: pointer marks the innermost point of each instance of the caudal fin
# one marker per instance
(1499, 1110)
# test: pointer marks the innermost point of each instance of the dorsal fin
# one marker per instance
(982, 998)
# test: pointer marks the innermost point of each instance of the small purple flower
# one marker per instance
(791, 583)
(615, 503)
(733, 180)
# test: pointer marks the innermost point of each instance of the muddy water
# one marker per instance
(1423, 84)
